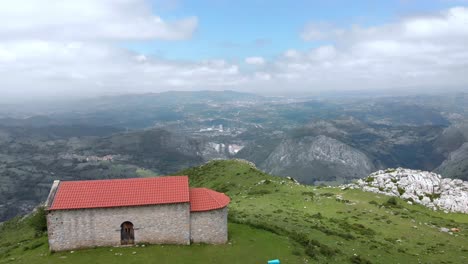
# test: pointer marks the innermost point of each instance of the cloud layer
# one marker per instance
(425, 52)
(72, 49)
(88, 20)
(255, 60)
(420, 51)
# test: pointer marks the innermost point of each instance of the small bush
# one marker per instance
(343, 200)
(314, 248)
(259, 192)
(359, 260)
(391, 202)
(401, 191)
(311, 251)
(317, 216)
(310, 194)
(299, 238)
(370, 179)
(433, 196)
(361, 229)
(347, 236)
(401, 250)
(328, 251)
(296, 252)
(355, 227)
(224, 187)
(373, 202)
(39, 221)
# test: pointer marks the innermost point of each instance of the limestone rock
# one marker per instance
(422, 187)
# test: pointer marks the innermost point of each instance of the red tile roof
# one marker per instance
(121, 192)
(203, 199)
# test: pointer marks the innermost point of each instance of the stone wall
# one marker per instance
(82, 228)
(209, 226)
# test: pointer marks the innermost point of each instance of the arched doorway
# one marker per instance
(127, 235)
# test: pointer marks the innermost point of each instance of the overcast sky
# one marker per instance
(102, 47)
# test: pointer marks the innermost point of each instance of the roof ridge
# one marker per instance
(134, 178)
(209, 193)
(128, 179)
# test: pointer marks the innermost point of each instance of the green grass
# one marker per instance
(342, 221)
(272, 217)
(246, 245)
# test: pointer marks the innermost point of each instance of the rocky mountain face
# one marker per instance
(453, 142)
(456, 165)
(338, 151)
(415, 186)
(312, 159)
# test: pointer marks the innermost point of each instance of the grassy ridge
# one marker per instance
(336, 225)
(275, 217)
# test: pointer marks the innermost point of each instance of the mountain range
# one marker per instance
(316, 140)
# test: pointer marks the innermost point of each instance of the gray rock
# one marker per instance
(422, 187)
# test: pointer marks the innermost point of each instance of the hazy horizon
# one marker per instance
(44, 100)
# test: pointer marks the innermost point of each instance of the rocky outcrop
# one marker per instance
(422, 187)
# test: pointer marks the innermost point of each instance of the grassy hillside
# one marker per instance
(273, 217)
(335, 225)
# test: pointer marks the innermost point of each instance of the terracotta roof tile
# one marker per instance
(121, 192)
(203, 199)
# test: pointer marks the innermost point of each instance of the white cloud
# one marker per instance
(451, 23)
(55, 68)
(262, 76)
(88, 20)
(255, 60)
(319, 31)
(291, 54)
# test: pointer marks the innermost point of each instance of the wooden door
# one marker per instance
(127, 234)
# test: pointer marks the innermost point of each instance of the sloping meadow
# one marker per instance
(335, 225)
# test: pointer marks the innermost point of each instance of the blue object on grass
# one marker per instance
(275, 261)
